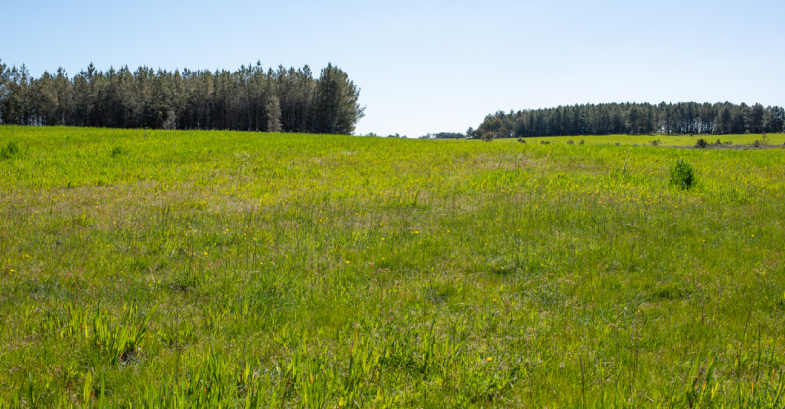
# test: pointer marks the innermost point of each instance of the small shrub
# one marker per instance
(701, 143)
(669, 292)
(118, 151)
(488, 137)
(618, 143)
(439, 293)
(9, 150)
(119, 339)
(545, 142)
(521, 140)
(581, 142)
(682, 175)
(655, 143)
(757, 144)
(570, 142)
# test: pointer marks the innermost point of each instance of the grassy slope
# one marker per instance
(305, 269)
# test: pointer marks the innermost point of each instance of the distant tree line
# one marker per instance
(388, 136)
(443, 135)
(634, 119)
(249, 99)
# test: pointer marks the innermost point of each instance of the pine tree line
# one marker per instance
(633, 118)
(249, 99)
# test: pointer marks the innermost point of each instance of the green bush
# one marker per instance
(9, 150)
(118, 151)
(701, 143)
(683, 175)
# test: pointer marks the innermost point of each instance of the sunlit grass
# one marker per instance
(154, 268)
(662, 139)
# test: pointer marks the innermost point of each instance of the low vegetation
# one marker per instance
(207, 269)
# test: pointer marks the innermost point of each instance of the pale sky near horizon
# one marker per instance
(432, 66)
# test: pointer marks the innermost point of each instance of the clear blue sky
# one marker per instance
(432, 66)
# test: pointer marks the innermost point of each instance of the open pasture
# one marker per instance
(224, 269)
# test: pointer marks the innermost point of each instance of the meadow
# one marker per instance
(736, 141)
(204, 269)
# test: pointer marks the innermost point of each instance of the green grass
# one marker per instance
(223, 269)
(663, 139)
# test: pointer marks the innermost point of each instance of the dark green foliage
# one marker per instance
(669, 292)
(336, 108)
(756, 119)
(249, 99)
(444, 135)
(701, 143)
(634, 119)
(773, 119)
(682, 175)
(118, 151)
(9, 150)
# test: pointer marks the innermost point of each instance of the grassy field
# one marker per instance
(664, 140)
(242, 270)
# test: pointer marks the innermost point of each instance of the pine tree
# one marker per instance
(755, 123)
(723, 122)
(336, 107)
(3, 89)
(273, 109)
(774, 119)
